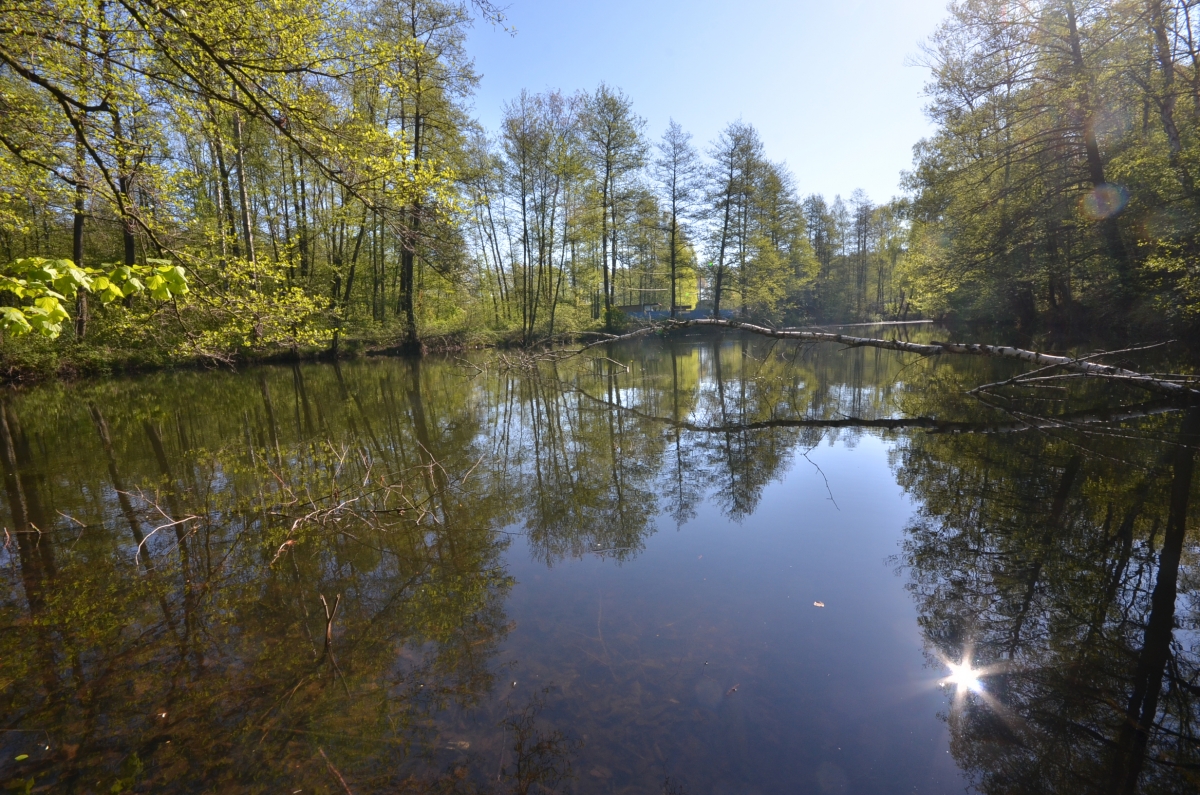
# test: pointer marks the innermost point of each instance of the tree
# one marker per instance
(612, 135)
(677, 171)
(437, 74)
(1059, 158)
(780, 263)
(539, 136)
(734, 156)
(266, 148)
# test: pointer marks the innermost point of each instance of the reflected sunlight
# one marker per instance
(964, 677)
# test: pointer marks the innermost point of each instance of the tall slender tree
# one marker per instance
(612, 135)
(678, 173)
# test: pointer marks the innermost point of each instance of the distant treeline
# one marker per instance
(314, 167)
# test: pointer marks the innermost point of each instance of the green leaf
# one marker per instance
(53, 308)
(14, 321)
(45, 321)
(14, 286)
(177, 279)
(44, 274)
(71, 279)
(159, 287)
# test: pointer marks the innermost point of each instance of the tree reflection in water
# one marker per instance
(1059, 560)
(295, 579)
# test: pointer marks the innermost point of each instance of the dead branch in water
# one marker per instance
(337, 774)
(1165, 384)
(330, 615)
(1078, 420)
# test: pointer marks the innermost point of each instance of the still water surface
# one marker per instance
(710, 564)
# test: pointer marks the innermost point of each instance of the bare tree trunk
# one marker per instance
(81, 305)
(1166, 102)
(674, 229)
(358, 239)
(604, 246)
(613, 247)
(302, 223)
(239, 162)
(224, 194)
(408, 280)
(721, 252)
(125, 190)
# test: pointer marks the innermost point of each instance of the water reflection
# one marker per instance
(964, 677)
(1066, 564)
(306, 578)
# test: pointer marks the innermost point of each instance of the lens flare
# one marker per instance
(1105, 201)
(964, 677)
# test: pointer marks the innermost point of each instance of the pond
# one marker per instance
(703, 564)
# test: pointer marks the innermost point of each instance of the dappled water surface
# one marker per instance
(709, 564)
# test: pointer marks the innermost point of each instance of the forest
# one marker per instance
(194, 181)
(763, 552)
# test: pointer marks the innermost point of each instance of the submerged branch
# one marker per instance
(1173, 384)
(929, 424)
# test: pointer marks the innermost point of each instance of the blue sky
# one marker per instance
(827, 84)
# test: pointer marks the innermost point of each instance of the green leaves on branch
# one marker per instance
(40, 286)
(258, 308)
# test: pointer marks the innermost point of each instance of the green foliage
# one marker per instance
(267, 147)
(257, 307)
(42, 285)
(1061, 179)
(313, 166)
(21, 786)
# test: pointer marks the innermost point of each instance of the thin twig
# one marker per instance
(821, 472)
(335, 772)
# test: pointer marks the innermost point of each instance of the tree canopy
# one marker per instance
(309, 172)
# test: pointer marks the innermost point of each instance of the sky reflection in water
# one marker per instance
(593, 580)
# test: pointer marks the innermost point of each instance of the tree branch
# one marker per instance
(1174, 385)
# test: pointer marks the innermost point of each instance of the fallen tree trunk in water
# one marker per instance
(930, 424)
(1174, 385)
